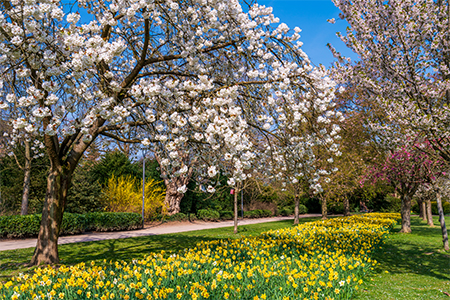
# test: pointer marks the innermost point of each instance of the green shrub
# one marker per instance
(192, 217)
(178, 217)
(286, 211)
(391, 204)
(226, 215)
(19, 226)
(28, 226)
(302, 209)
(257, 213)
(73, 223)
(208, 215)
(112, 221)
(250, 214)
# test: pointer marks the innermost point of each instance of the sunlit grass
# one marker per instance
(411, 266)
(12, 262)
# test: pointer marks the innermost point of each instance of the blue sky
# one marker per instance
(311, 16)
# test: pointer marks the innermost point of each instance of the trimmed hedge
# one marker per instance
(208, 215)
(257, 213)
(177, 217)
(28, 226)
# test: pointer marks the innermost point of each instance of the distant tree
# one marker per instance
(406, 169)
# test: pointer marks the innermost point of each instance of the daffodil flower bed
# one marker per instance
(317, 260)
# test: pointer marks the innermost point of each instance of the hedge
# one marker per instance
(257, 213)
(226, 215)
(28, 226)
(208, 215)
(289, 211)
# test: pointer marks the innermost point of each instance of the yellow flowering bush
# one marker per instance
(317, 260)
(124, 194)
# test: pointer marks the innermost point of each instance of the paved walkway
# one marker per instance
(164, 228)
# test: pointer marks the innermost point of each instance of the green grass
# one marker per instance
(12, 262)
(417, 266)
(411, 266)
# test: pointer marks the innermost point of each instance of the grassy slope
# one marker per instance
(411, 266)
(417, 267)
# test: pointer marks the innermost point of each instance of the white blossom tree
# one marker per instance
(180, 77)
(302, 136)
(403, 66)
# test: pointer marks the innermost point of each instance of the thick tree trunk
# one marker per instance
(296, 210)
(324, 208)
(26, 179)
(46, 251)
(429, 213)
(442, 220)
(406, 214)
(173, 198)
(236, 192)
(346, 206)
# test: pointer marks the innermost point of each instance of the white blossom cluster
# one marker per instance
(304, 135)
(403, 68)
(195, 77)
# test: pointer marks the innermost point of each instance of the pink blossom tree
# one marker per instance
(407, 169)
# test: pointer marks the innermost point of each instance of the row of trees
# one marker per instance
(214, 87)
(403, 72)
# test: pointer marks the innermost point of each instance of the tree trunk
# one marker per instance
(236, 191)
(324, 208)
(173, 198)
(429, 213)
(422, 209)
(406, 214)
(442, 220)
(296, 210)
(46, 251)
(346, 206)
(26, 179)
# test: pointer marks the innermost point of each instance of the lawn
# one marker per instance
(12, 262)
(410, 266)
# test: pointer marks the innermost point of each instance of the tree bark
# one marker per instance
(236, 192)
(46, 251)
(296, 210)
(422, 209)
(346, 206)
(324, 208)
(173, 197)
(26, 179)
(442, 220)
(429, 213)
(406, 214)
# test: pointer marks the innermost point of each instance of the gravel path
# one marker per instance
(163, 228)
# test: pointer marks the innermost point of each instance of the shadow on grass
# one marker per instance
(127, 249)
(420, 252)
(14, 261)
